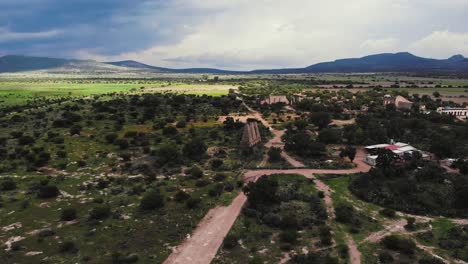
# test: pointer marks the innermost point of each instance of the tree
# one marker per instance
(349, 152)
(195, 149)
(152, 200)
(68, 214)
(167, 155)
(436, 94)
(48, 191)
(274, 154)
(261, 192)
(320, 119)
(385, 158)
(100, 212)
(170, 131)
(329, 136)
(75, 130)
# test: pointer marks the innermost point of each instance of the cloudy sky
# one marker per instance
(232, 34)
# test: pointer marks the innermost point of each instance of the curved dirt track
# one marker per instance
(205, 241)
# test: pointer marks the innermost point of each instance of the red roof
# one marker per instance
(392, 147)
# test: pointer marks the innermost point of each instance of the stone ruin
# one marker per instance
(251, 135)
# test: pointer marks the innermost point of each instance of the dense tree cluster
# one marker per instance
(418, 186)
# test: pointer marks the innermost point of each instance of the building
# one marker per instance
(399, 149)
(274, 99)
(251, 135)
(458, 112)
(400, 102)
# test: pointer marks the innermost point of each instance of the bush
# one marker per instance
(344, 214)
(272, 220)
(48, 191)
(192, 202)
(26, 140)
(67, 247)
(288, 236)
(274, 154)
(403, 245)
(110, 138)
(216, 163)
(230, 242)
(195, 172)
(8, 185)
(68, 214)
(181, 196)
(152, 200)
(388, 212)
(100, 212)
(216, 190)
(201, 183)
(219, 177)
(181, 124)
(385, 257)
(170, 131)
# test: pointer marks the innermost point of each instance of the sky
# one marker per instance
(232, 34)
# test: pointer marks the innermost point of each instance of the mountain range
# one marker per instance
(386, 62)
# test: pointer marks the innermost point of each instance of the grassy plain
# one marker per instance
(13, 92)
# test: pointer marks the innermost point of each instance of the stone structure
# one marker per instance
(274, 99)
(458, 112)
(251, 135)
(400, 102)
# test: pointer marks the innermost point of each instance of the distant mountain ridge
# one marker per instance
(386, 62)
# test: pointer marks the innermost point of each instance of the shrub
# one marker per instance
(272, 219)
(26, 140)
(195, 172)
(217, 163)
(403, 245)
(288, 236)
(344, 213)
(230, 242)
(48, 191)
(110, 138)
(201, 183)
(152, 200)
(219, 177)
(410, 225)
(388, 212)
(100, 212)
(385, 257)
(67, 247)
(8, 185)
(192, 202)
(68, 214)
(216, 190)
(274, 154)
(181, 196)
(170, 131)
(181, 124)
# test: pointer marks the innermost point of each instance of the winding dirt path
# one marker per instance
(205, 241)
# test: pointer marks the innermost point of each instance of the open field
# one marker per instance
(19, 92)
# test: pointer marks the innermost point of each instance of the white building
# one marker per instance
(458, 112)
(399, 149)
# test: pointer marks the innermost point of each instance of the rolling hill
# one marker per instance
(387, 62)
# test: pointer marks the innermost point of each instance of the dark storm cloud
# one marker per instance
(108, 27)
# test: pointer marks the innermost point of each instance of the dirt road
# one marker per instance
(202, 247)
(209, 235)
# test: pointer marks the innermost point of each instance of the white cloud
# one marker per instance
(6, 35)
(241, 34)
(380, 45)
(441, 44)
